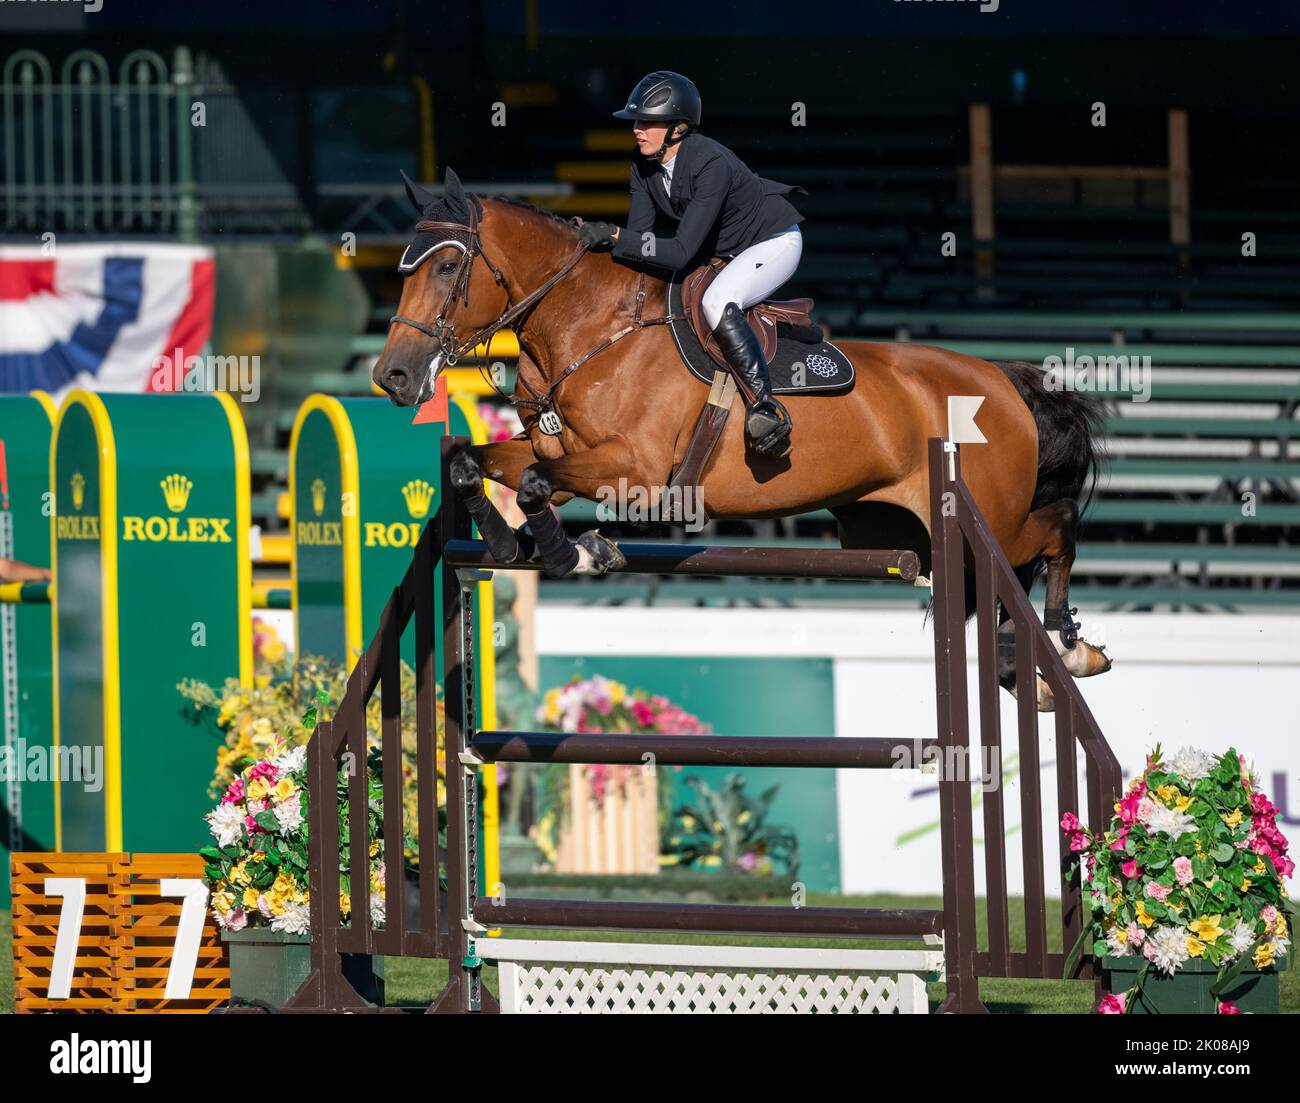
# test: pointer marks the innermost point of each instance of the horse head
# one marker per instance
(451, 290)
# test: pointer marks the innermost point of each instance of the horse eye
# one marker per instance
(446, 268)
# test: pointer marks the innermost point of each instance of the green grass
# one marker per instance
(415, 981)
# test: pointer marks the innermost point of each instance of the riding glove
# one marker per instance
(596, 234)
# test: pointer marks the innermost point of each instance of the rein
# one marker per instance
(467, 238)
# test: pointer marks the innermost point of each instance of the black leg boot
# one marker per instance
(767, 424)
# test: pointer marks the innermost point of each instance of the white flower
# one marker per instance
(377, 913)
(1119, 947)
(290, 761)
(1191, 765)
(227, 824)
(295, 920)
(1170, 821)
(1166, 948)
(289, 814)
(1241, 938)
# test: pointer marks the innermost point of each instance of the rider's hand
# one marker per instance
(594, 235)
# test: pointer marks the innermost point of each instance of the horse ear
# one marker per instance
(453, 194)
(420, 197)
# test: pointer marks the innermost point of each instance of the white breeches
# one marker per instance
(754, 274)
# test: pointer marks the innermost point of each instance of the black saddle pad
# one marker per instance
(825, 368)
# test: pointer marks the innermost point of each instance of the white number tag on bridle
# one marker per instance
(549, 423)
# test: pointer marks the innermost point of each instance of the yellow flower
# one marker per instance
(1142, 917)
(283, 884)
(617, 692)
(250, 898)
(345, 902)
(1168, 793)
(1263, 955)
(284, 789)
(1195, 947)
(1206, 928)
(258, 856)
(1259, 868)
(239, 875)
(1233, 819)
(1182, 802)
(1245, 885)
(1200, 850)
(258, 788)
(374, 849)
(223, 901)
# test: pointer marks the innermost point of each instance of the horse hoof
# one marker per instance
(605, 554)
(1046, 698)
(466, 476)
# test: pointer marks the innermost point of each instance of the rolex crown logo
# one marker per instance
(418, 495)
(318, 496)
(78, 490)
(176, 490)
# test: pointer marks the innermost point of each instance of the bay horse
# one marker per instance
(604, 396)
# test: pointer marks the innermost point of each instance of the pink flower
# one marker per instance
(1146, 806)
(264, 769)
(1120, 840)
(1269, 914)
(1112, 1005)
(1183, 870)
(1070, 822)
(1136, 935)
(1079, 842)
(1227, 1007)
(1130, 868)
(643, 714)
(1158, 891)
(237, 920)
(235, 793)
(1129, 805)
(264, 905)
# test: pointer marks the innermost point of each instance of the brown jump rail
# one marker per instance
(785, 752)
(712, 560)
(715, 918)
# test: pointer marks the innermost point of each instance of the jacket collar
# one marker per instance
(680, 170)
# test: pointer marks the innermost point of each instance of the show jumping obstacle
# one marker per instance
(449, 925)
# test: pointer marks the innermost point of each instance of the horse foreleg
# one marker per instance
(583, 474)
(1055, 527)
(507, 545)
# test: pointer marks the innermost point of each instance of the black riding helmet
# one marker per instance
(663, 96)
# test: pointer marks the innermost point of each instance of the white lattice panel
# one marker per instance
(532, 982)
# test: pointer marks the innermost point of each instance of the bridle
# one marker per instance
(467, 239)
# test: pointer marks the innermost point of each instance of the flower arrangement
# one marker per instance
(250, 719)
(1191, 867)
(257, 873)
(599, 704)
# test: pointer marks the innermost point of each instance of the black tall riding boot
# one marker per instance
(767, 423)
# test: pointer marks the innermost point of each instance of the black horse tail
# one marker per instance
(1071, 427)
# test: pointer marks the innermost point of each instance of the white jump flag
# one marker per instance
(962, 409)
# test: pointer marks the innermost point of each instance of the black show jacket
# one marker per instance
(720, 207)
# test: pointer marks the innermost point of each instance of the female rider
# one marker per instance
(719, 208)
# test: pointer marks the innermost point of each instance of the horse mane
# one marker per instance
(515, 201)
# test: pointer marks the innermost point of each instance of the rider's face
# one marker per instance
(649, 136)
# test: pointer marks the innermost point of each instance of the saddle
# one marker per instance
(794, 315)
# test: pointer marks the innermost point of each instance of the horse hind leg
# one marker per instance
(1051, 532)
